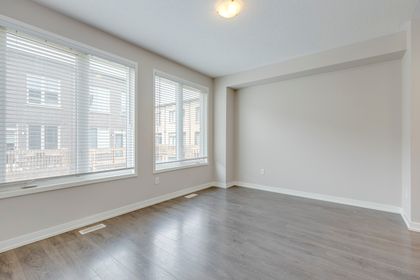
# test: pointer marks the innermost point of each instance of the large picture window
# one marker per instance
(181, 133)
(64, 111)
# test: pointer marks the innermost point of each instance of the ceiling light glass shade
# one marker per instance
(229, 8)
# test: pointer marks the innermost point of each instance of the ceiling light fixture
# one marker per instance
(229, 8)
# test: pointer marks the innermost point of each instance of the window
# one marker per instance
(159, 139)
(51, 137)
(124, 104)
(99, 138)
(93, 138)
(181, 100)
(172, 139)
(42, 90)
(67, 110)
(197, 114)
(34, 137)
(197, 138)
(157, 118)
(119, 144)
(171, 116)
(99, 100)
(11, 139)
(103, 138)
(42, 137)
(34, 95)
(119, 140)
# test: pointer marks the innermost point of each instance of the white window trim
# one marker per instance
(187, 166)
(18, 188)
(44, 185)
(193, 163)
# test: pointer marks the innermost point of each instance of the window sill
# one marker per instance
(164, 170)
(63, 183)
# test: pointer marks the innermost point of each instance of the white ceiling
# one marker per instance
(266, 32)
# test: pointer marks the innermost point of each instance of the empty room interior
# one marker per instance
(211, 139)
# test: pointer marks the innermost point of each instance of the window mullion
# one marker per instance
(179, 123)
(3, 150)
(82, 112)
(203, 125)
(131, 98)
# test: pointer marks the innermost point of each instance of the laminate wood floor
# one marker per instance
(229, 234)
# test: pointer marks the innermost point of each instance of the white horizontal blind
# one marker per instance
(180, 123)
(63, 112)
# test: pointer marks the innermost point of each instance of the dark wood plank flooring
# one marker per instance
(229, 234)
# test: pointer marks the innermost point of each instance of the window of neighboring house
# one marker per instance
(197, 138)
(40, 72)
(93, 138)
(180, 98)
(11, 139)
(172, 139)
(157, 118)
(119, 140)
(197, 115)
(172, 117)
(119, 144)
(124, 104)
(103, 138)
(42, 90)
(51, 137)
(99, 138)
(34, 95)
(43, 137)
(34, 137)
(159, 139)
(99, 100)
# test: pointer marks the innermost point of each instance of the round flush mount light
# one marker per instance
(229, 8)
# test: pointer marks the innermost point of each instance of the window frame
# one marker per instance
(205, 125)
(12, 189)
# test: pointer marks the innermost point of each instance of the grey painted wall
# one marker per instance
(336, 133)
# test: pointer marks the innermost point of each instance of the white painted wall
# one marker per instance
(414, 86)
(377, 50)
(30, 213)
(406, 180)
(337, 133)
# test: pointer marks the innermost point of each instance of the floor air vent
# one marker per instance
(191, 195)
(92, 228)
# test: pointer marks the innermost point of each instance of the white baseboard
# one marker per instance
(59, 229)
(329, 198)
(413, 226)
(224, 185)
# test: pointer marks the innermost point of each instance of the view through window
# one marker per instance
(180, 123)
(63, 112)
